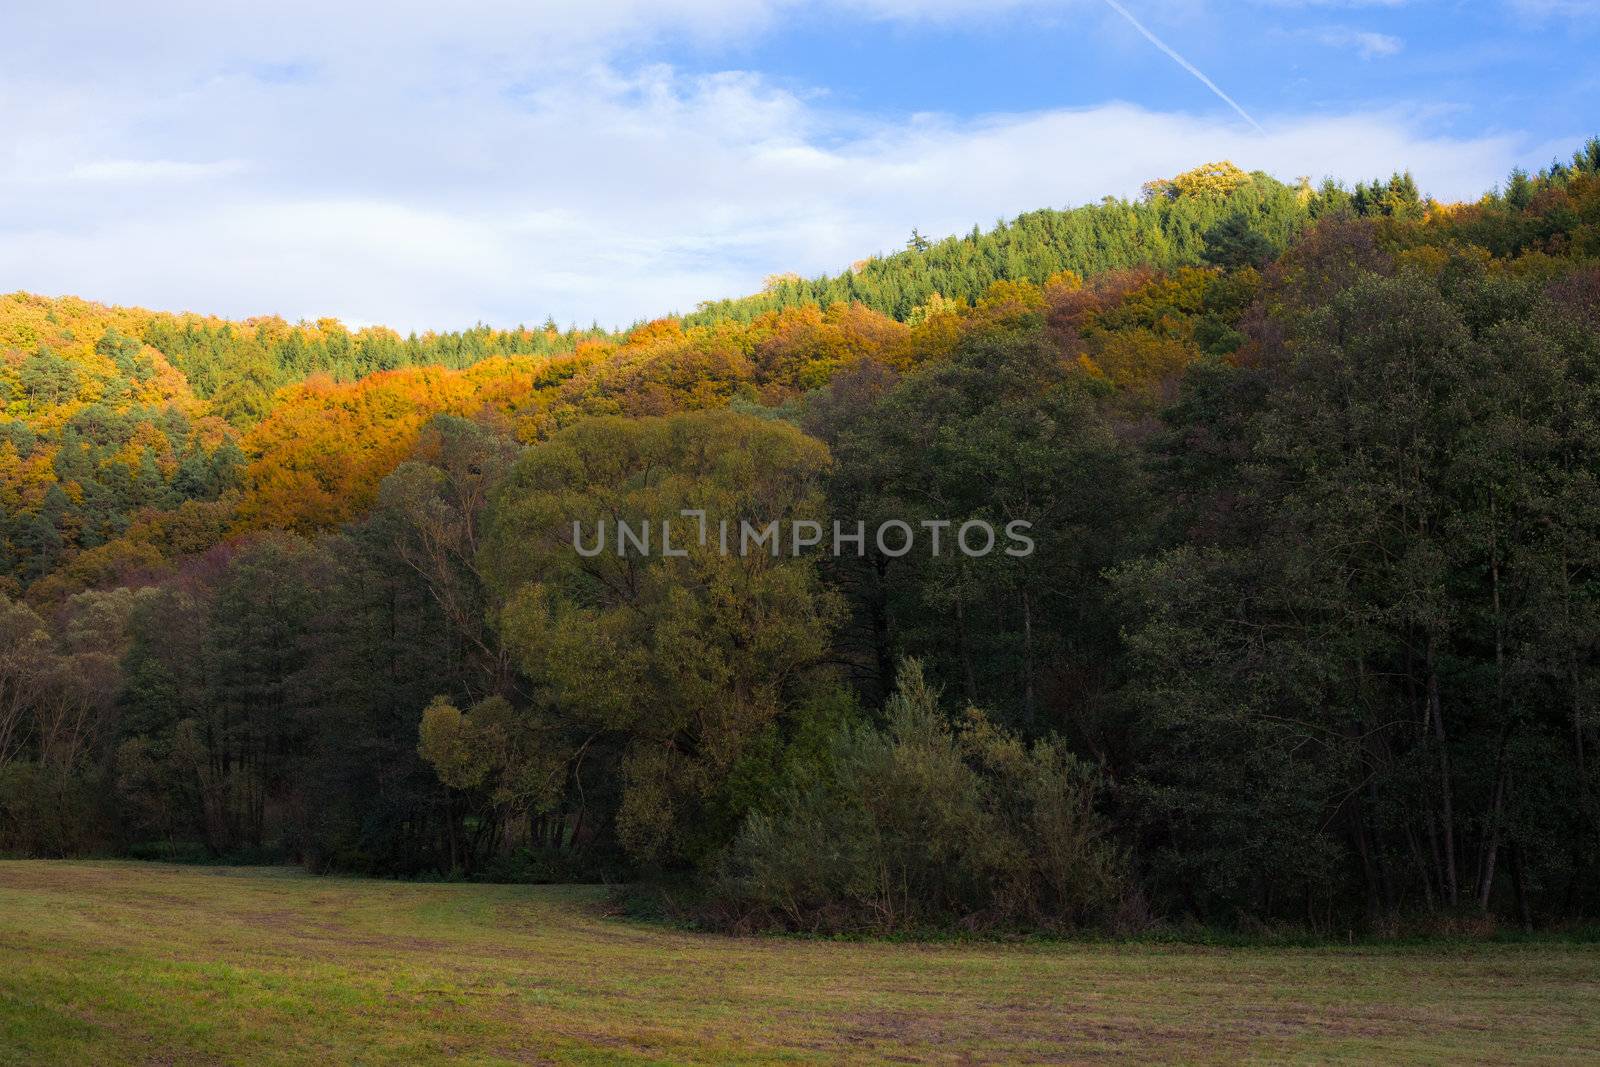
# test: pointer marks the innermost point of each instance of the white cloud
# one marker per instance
(1557, 8)
(1370, 45)
(426, 169)
(151, 170)
(1346, 4)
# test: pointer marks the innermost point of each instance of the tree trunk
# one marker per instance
(1491, 842)
(878, 609)
(1027, 655)
(1492, 839)
(1422, 863)
(1447, 815)
(450, 827)
(1514, 855)
(968, 681)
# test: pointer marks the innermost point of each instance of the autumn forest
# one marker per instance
(1311, 637)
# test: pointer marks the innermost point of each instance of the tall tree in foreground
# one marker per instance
(1362, 697)
(680, 658)
(1004, 432)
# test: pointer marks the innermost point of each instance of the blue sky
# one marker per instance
(1479, 67)
(425, 166)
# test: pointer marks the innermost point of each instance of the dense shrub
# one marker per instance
(926, 823)
(47, 811)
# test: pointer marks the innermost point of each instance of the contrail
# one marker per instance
(1184, 63)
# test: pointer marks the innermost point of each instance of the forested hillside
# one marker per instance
(1174, 224)
(118, 419)
(1311, 633)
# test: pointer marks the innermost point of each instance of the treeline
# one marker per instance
(242, 363)
(110, 417)
(1173, 224)
(1311, 634)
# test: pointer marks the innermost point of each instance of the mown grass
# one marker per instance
(129, 962)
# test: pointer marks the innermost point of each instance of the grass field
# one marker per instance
(120, 962)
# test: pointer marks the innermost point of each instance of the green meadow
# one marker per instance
(105, 962)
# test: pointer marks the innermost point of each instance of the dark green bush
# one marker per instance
(926, 824)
